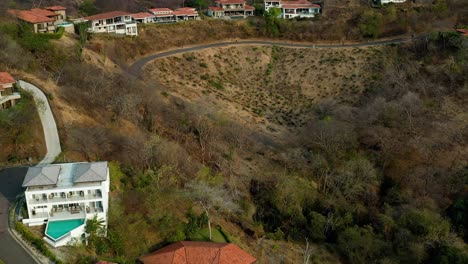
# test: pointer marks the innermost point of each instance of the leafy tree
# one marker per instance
(88, 8)
(361, 245)
(370, 24)
(317, 225)
(272, 21)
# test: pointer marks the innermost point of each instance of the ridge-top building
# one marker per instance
(292, 9)
(64, 196)
(228, 9)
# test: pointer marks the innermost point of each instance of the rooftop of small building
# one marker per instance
(66, 175)
(6, 78)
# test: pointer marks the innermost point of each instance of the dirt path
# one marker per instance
(137, 67)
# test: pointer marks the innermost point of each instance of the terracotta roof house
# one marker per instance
(294, 8)
(43, 20)
(228, 9)
(143, 17)
(193, 252)
(462, 31)
(116, 22)
(8, 97)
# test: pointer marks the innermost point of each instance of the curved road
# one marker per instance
(11, 249)
(137, 66)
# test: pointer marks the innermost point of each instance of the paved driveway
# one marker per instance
(48, 123)
(10, 187)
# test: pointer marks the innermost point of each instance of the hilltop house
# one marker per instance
(43, 20)
(292, 9)
(8, 97)
(186, 13)
(143, 17)
(63, 196)
(163, 15)
(166, 15)
(230, 9)
(199, 252)
(383, 2)
(117, 22)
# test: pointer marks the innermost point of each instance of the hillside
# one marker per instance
(360, 151)
(273, 87)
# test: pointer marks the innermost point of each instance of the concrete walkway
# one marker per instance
(49, 126)
(12, 249)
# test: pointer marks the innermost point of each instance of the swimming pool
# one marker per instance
(57, 229)
(65, 23)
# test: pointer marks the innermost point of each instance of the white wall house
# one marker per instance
(8, 97)
(166, 15)
(230, 9)
(116, 22)
(292, 9)
(163, 15)
(143, 17)
(63, 196)
(383, 2)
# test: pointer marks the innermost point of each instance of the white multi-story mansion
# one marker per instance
(292, 9)
(63, 196)
(8, 97)
(230, 9)
(117, 22)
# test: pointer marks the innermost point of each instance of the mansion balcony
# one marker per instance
(64, 198)
(64, 213)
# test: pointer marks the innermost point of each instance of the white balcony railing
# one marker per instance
(64, 199)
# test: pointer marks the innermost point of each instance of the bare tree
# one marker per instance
(212, 198)
(306, 252)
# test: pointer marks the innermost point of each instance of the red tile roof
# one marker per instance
(156, 10)
(108, 15)
(247, 7)
(298, 4)
(5, 77)
(185, 12)
(30, 16)
(215, 8)
(230, 1)
(43, 12)
(463, 31)
(188, 252)
(56, 8)
(142, 15)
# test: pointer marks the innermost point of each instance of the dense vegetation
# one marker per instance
(380, 180)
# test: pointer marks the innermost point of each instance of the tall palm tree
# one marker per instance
(95, 228)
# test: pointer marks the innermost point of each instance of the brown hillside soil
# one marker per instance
(270, 89)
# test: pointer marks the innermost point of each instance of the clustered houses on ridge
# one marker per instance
(292, 9)
(8, 96)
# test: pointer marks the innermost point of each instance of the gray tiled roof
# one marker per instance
(40, 176)
(90, 172)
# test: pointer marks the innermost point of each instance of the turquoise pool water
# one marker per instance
(57, 229)
(66, 23)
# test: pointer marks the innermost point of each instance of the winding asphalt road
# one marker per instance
(137, 67)
(11, 249)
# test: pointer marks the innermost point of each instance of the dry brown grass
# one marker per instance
(270, 88)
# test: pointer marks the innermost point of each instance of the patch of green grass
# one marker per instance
(204, 235)
(216, 84)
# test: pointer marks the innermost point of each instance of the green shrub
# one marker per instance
(37, 242)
